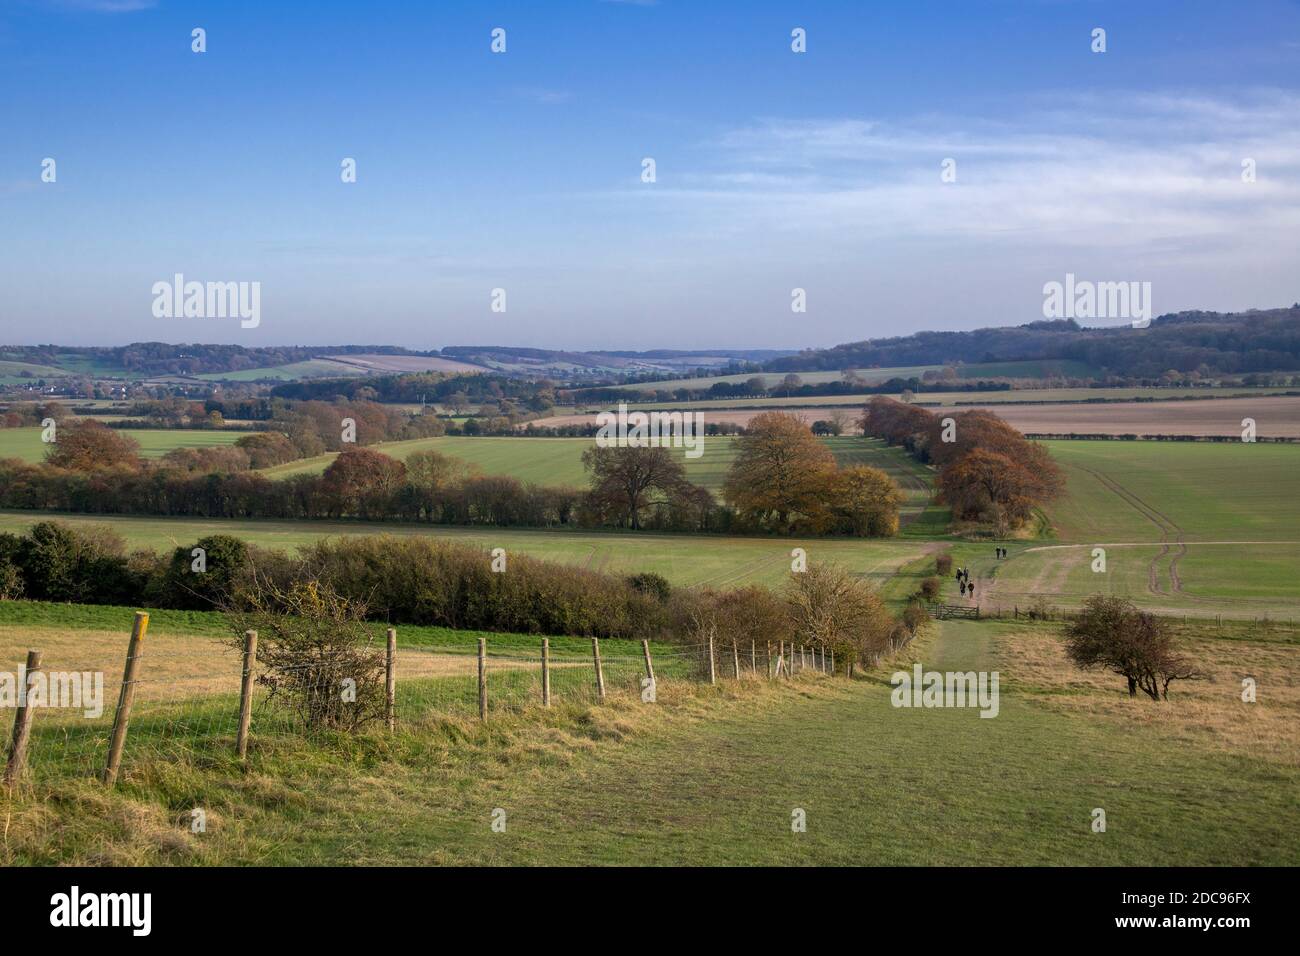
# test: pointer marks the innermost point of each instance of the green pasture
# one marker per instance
(688, 560)
(25, 443)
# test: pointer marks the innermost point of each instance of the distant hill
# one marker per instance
(511, 360)
(161, 360)
(1260, 340)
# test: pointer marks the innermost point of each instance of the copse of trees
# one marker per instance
(785, 480)
(988, 471)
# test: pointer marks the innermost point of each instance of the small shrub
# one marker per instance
(319, 655)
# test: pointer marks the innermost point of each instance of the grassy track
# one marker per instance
(25, 443)
(710, 776)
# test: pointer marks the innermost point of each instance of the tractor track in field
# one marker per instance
(1166, 525)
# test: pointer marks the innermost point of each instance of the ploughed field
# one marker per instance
(1276, 416)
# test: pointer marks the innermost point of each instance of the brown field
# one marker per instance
(1276, 416)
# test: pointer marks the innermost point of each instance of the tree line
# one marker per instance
(783, 480)
(987, 471)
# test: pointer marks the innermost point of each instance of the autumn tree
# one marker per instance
(1111, 634)
(625, 481)
(431, 470)
(897, 424)
(863, 501)
(781, 472)
(90, 444)
(361, 481)
(265, 449)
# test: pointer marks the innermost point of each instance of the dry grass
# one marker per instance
(181, 666)
(1203, 712)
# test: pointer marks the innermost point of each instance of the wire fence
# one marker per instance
(186, 701)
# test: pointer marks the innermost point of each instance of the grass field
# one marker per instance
(19, 373)
(308, 368)
(25, 443)
(684, 559)
(1199, 529)
(558, 461)
(711, 776)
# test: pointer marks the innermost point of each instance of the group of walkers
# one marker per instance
(965, 583)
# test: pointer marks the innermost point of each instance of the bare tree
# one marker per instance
(625, 481)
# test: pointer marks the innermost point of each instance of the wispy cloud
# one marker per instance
(105, 6)
(1159, 168)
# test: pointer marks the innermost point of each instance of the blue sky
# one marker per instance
(521, 170)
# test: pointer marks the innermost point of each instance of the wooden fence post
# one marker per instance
(753, 655)
(546, 672)
(649, 665)
(735, 661)
(600, 673)
(22, 725)
(769, 660)
(127, 696)
(482, 678)
(832, 662)
(390, 680)
(246, 694)
(713, 672)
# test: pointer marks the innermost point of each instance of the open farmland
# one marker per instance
(1276, 416)
(26, 444)
(1013, 396)
(989, 370)
(1187, 528)
(687, 560)
(345, 365)
(558, 461)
